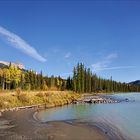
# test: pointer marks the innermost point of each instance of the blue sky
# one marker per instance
(53, 36)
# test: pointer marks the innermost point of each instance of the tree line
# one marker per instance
(82, 81)
(13, 77)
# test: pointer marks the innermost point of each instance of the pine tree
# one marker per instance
(85, 81)
(75, 79)
(69, 83)
(89, 80)
(78, 78)
(82, 74)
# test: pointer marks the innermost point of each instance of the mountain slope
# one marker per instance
(4, 64)
(136, 83)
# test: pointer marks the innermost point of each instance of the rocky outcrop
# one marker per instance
(98, 100)
(4, 64)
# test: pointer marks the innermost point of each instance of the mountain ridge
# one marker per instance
(136, 83)
(5, 64)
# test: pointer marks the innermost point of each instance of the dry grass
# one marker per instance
(50, 98)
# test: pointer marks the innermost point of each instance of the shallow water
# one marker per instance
(124, 116)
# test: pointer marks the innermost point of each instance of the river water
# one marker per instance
(122, 117)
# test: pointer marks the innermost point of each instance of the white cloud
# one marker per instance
(66, 74)
(118, 67)
(20, 44)
(67, 55)
(111, 56)
(104, 64)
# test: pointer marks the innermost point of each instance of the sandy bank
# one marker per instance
(20, 125)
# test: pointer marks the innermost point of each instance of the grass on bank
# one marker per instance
(19, 98)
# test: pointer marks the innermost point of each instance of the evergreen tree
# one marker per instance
(82, 77)
(75, 79)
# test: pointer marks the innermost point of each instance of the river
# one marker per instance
(121, 117)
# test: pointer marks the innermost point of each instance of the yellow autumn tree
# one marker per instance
(15, 74)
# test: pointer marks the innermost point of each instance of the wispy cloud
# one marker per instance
(101, 65)
(17, 42)
(112, 56)
(66, 74)
(118, 67)
(67, 55)
(104, 64)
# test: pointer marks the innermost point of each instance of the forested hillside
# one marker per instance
(135, 83)
(82, 81)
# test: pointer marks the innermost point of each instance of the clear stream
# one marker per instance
(124, 116)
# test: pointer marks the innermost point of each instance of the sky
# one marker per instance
(54, 35)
